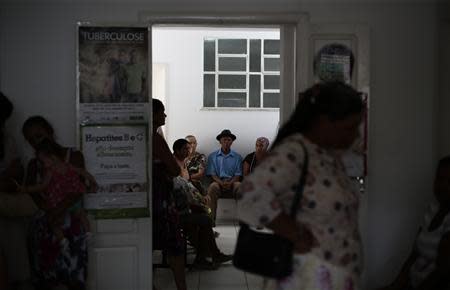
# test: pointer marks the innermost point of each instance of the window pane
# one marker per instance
(255, 55)
(232, 64)
(232, 46)
(231, 99)
(232, 82)
(271, 100)
(209, 55)
(255, 91)
(209, 88)
(271, 47)
(271, 64)
(272, 82)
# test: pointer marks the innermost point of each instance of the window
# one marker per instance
(241, 73)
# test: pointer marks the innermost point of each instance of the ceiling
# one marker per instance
(209, 2)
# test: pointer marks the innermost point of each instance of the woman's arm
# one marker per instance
(439, 278)
(77, 159)
(87, 177)
(11, 176)
(198, 175)
(162, 152)
(246, 168)
(31, 177)
(201, 169)
(301, 236)
(37, 188)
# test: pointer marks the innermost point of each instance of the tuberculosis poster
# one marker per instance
(113, 72)
(113, 112)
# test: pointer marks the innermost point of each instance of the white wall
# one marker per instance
(37, 58)
(181, 50)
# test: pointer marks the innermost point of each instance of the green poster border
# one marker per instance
(121, 213)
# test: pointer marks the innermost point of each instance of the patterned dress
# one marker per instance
(55, 263)
(329, 207)
(62, 183)
(193, 165)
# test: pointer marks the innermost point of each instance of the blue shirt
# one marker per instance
(224, 166)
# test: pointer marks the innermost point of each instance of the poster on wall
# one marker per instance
(334, 62)
(112, 74)
(116, 155)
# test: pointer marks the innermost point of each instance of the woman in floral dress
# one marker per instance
(325, 234)
(55, 263)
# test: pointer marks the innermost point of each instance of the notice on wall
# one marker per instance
(116, 155)
(112, 74)
(334, 62)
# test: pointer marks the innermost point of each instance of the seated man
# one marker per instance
(225, 168)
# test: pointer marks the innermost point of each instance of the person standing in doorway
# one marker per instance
(166, 219)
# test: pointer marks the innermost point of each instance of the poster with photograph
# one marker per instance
(116, 155)
(112, 74)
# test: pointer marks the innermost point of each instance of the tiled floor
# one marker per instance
(226, 277)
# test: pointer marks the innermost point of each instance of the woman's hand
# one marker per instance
(305, 240)
(21, 188)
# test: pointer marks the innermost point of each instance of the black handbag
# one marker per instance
(266, 254)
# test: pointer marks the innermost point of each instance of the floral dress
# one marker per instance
(53, 262)
(193, 165)
(63, 182)
(329, 207)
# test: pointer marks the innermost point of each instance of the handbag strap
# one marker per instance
(301, 185)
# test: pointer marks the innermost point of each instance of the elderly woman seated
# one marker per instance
(196, 165)
(253, 159)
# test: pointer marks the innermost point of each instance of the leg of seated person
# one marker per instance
(207, 234)
(177, 265)
(207, 241)
(191, 233)
(214, 191)
(236, 186)
(3, 273)
(196, 225)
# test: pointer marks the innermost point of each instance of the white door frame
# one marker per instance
(293, 28)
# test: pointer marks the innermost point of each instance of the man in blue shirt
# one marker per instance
(225, 168)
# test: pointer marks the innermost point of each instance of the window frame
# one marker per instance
(262, 73)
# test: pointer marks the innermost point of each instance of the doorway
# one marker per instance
(191, 112)
(217, 77)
